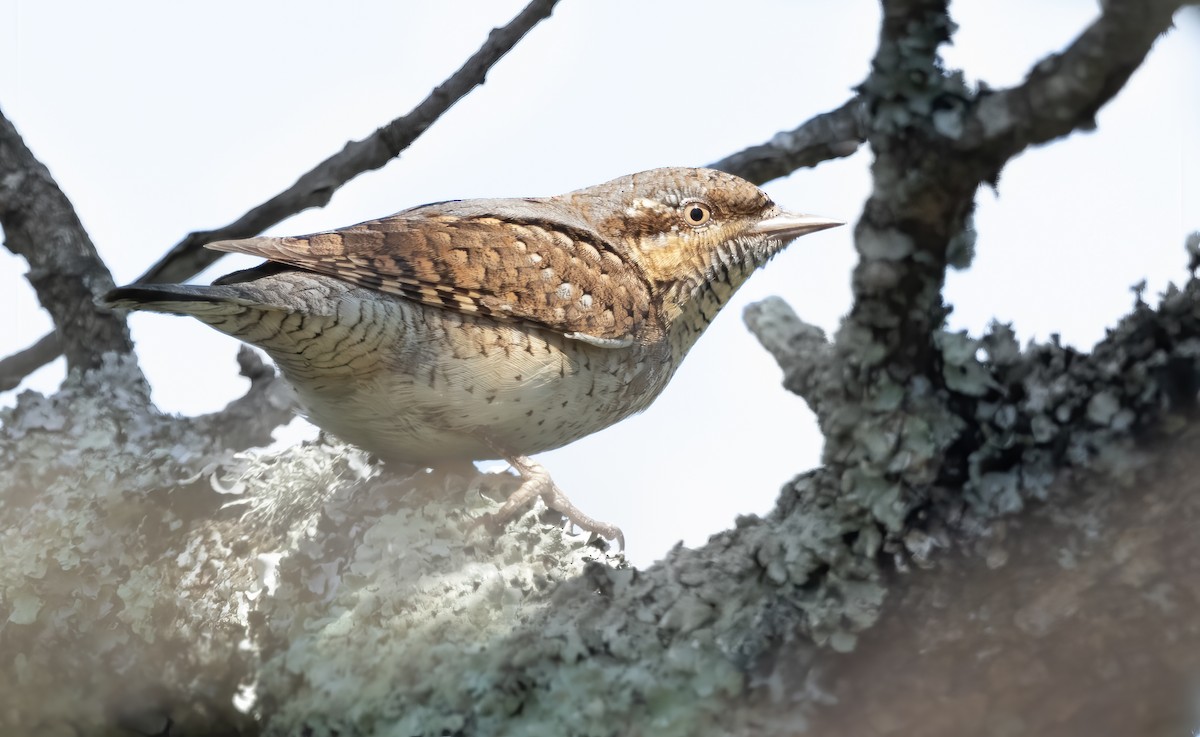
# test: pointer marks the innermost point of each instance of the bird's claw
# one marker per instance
(535, 482)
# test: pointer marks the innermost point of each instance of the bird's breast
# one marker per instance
(439, 385)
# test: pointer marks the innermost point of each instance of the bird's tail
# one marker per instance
(294, 318)
(179, 299)
(242, 311)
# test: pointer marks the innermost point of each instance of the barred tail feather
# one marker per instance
(178, 299)
(269, 314)
(229, 309)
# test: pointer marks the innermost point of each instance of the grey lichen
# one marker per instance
(111, 600)
(1000, 424)
(1059, 408)
(392, 610)
(154, 578)
(400, 620)
(136, 559)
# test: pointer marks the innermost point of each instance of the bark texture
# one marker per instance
(64, 269)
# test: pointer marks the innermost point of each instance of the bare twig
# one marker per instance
(315, 187)
(16, 367)
(831, 135)
(64, 268)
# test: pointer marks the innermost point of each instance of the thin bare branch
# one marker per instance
(315, 187)
(66, 272)
(830, 135)
(16, 367)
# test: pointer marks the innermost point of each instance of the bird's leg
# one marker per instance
(535, 482)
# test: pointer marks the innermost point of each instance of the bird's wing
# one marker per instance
(511, 260)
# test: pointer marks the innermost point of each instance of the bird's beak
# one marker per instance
(785, 226)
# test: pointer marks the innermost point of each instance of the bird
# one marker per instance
(484, 329)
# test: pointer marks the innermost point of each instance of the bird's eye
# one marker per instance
(696, 214)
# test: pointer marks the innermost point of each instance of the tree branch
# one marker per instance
(1082, 624)
(64, 268)
(368, 596)
(1063, 92)
(801, 349)
(830, 135)
(935, 140)
(912, 414)
(16, 367)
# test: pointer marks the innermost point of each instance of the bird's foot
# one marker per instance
(535, 482)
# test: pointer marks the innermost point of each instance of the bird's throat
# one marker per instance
(693, 304)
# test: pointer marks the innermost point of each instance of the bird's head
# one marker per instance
(695, 234)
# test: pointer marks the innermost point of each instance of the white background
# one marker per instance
(162, 118)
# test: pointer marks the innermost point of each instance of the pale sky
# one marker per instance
(160, 118)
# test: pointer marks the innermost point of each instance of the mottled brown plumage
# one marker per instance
(495, 328)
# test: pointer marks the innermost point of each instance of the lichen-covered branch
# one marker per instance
(1063, 92)
(138, 554)
(921, 199)
(249, 420)
(692, 645)
(933, 435)
(64, 268)
(801, 349)
(1079, 620)
(832, 135)
(893, 418)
